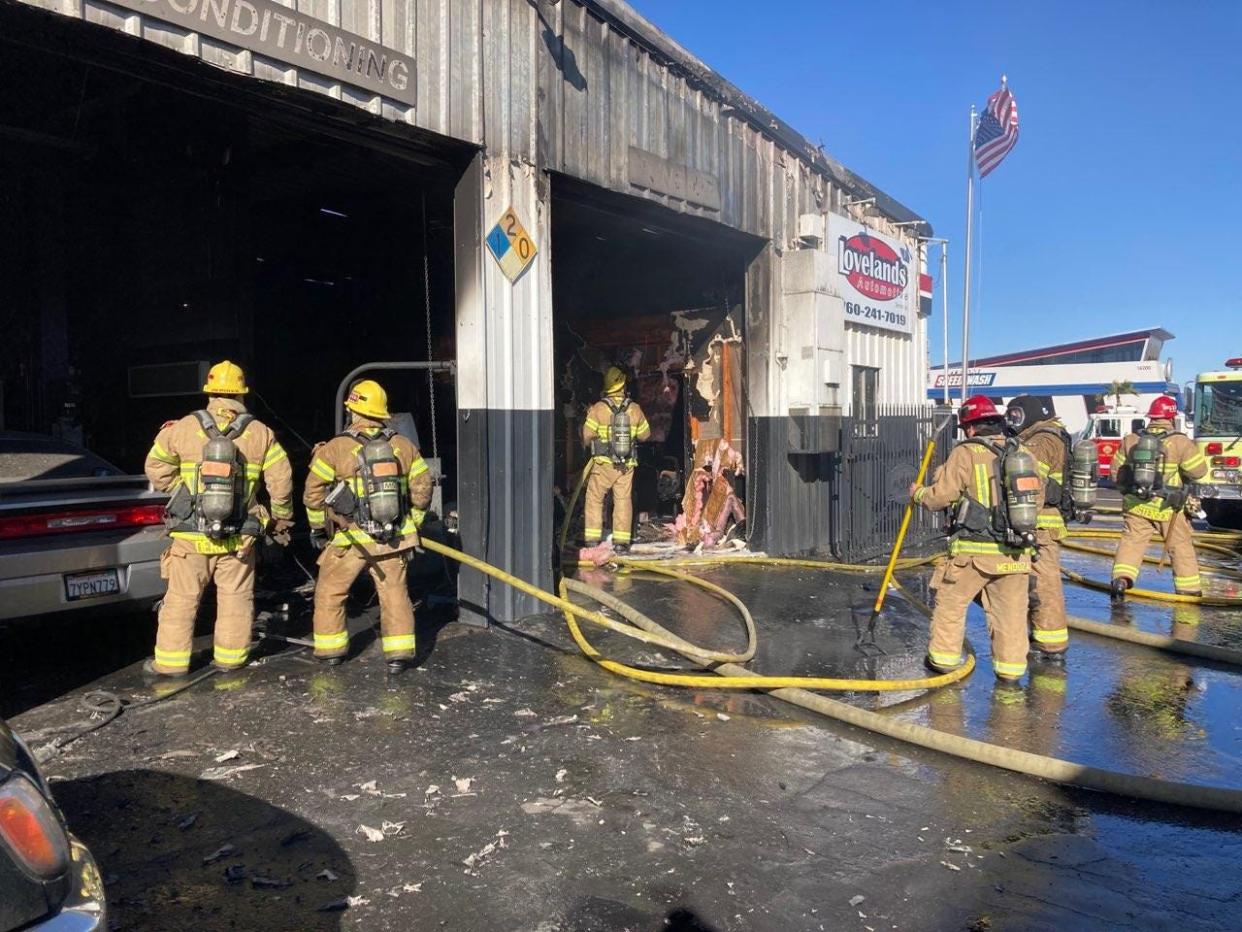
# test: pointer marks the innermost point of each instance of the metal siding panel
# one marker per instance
(619, 85)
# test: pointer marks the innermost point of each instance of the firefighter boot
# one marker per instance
(1118, 590)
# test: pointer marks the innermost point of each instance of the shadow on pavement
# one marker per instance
(181, 853)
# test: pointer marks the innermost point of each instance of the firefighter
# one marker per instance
(993, 486)
(211, 461)
(1033, 420)
(366, 496)
(1151, 470)
(613, 426)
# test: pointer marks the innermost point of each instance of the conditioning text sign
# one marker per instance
(876, 276)
(282, 33)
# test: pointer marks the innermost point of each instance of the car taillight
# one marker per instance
(1214, 449)
(31, 830)
(1230, 461)
(85, 519)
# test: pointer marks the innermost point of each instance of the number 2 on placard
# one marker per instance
(510, 223)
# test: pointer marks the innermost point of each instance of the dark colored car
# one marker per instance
(48, 879)
(75, 531)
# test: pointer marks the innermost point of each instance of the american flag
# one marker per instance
(997, 131)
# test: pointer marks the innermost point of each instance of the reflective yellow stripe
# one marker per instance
(348, 537)
(1056, 476)
(418, 467)
(1152, 510)
(331, 641)
(1009, 669)
(176, 659)
(1052, 521)
(592, 424)
(1119, 460)
(945, 660)
(397, 642)
(983, 485)
(229, 656)
(1044, 470)
(282, 510)
(593, 533)
(919, 493)
(1052, 636)
(1187, 582)
(275, 454)
(315, 516)
(1194, 462)
(1125, 570)
(644, 426)
(323, 470)
(208, 547)
(159, 453)
(621, 536)
(253, 471)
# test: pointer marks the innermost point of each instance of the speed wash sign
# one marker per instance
(876, 276)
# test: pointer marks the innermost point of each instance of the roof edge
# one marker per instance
(629, 21)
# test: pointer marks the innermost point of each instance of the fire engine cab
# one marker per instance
(1108, 424)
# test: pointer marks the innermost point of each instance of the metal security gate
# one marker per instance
(880, 453)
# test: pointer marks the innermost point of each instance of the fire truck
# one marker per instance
(1217, 411)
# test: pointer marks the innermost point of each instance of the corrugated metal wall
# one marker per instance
(901, 359)
(443, 37)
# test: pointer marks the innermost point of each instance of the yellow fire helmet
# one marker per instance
(369, 399)
(226, 378)
(614, 381)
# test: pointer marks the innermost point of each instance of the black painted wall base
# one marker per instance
(792, 495)
(504, 506)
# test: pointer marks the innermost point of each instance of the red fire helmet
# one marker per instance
(1163, 408)
(976, 408)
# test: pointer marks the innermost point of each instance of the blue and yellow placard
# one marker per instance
(511, 245)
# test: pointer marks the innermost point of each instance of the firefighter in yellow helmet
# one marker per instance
(366, 496)
(613, 426)
(212, 461)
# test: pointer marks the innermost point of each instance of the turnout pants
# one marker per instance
(1048, 627)
(1005, 596)
(1136, 536)
(338, 568)
(605, 478)
(189, 573)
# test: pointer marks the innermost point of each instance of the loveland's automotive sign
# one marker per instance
(283, 33)
(877, 276)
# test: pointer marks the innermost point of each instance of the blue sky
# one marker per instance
(1121, 206)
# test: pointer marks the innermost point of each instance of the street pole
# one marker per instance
(970, 218)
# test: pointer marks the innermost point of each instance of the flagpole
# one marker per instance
(970, 220)
(944, 307)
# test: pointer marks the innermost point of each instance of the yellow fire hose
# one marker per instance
(1066, 772)
(1152, 595)
(1104, 552)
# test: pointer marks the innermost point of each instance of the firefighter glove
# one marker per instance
(280, 531)
(319, 538)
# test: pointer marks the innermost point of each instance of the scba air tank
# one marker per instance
(219, 490)
(383, 483)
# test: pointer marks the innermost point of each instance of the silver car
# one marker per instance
(75, 531)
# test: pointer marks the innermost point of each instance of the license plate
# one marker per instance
(92, 585)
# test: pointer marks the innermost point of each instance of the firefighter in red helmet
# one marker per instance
(991, 484)
(1152, 469)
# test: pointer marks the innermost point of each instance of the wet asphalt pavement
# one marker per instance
(508, 783)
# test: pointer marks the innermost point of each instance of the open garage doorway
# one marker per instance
(159, 214)
(661, 296)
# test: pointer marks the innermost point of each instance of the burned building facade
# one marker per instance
(532, 189)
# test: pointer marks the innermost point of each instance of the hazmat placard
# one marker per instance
(511, 245)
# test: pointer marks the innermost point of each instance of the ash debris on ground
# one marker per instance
(509, 783)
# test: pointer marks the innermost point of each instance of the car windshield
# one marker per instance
(37, 456)
(1218, 408)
